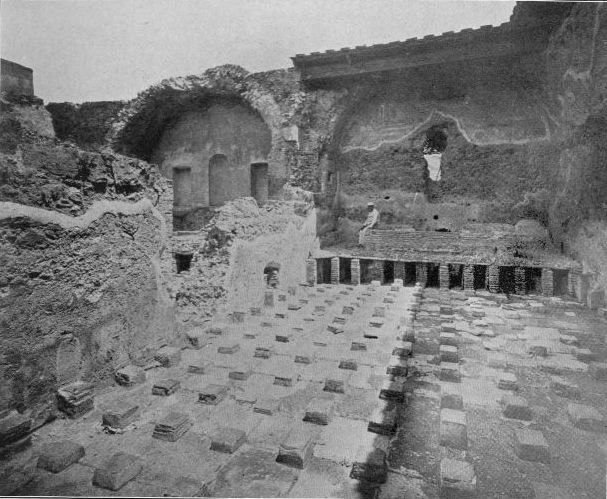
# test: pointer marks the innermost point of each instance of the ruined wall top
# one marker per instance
(527, 31)
(16, 80)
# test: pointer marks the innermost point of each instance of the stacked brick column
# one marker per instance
(493, 278)
(547, 282)
(443, 276)
(399, 270)
(468, 277)
(421, 273)
(572, 278)
(311, 277)
(335, 270)
(355, 271)
(520, 281)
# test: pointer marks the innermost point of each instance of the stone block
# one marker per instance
(283, 380)
(516, 408)
(397, 367)
(198, 368)
(348, 364)
(371, 467)
(238, 316)
(304, 359)
(165, 387)
(451, 396)
(240, 374)
(347, 310)
(120, 415)
(168, 356)
(229, 349)
(403, 350)
(449, 371)
(75, 399)
(358, 346)
(13, 427)
(448, 339)
(319, 411)
(371, 335)
(383, 420)
(269, 407)
(130, 375)
(296, 448)
(117, 471)
(564, 387)
(453, 431)
(586, 418)
(448, 353)
(212, 394)
(598, 370)
(280, 315)
(339, 319)
(448, 327)
(393, 390)
(284, 338)
(457, 479)
(334, 386)
(294, 306)
(531, 445)
(227, 439)
(507, 381)
(172, 427)
(262, 353)
(255, 311)
(335, 329)
(57, 456)
(379, 312)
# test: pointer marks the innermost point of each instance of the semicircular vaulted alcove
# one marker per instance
(212, 153)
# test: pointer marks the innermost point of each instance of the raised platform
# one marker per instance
(466, 247)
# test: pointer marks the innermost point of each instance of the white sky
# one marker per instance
(87, 50)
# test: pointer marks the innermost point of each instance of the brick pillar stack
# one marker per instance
(335, 270)
(493, 278)
(520, 281)
(443, 276)
(311, 277)
(376, 270)
(421, 273)
(399, 270)
(468, 277)
(572, 277)
(547, 282)
(355, 271)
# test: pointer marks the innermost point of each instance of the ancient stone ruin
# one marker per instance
(186, 309)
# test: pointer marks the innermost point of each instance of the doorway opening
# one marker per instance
(388, 271)
(410, 274)
(561, 282)
(323, 270)
(345, 270)
(534, 280)
(456, 272)
(433, 278)
(506, 280)
(480, 276)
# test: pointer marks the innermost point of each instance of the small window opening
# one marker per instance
(270, 273)
(433, 148)
(183, 261)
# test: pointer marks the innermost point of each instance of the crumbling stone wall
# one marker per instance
(231, 251)
(87, 124)
(83, 250)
